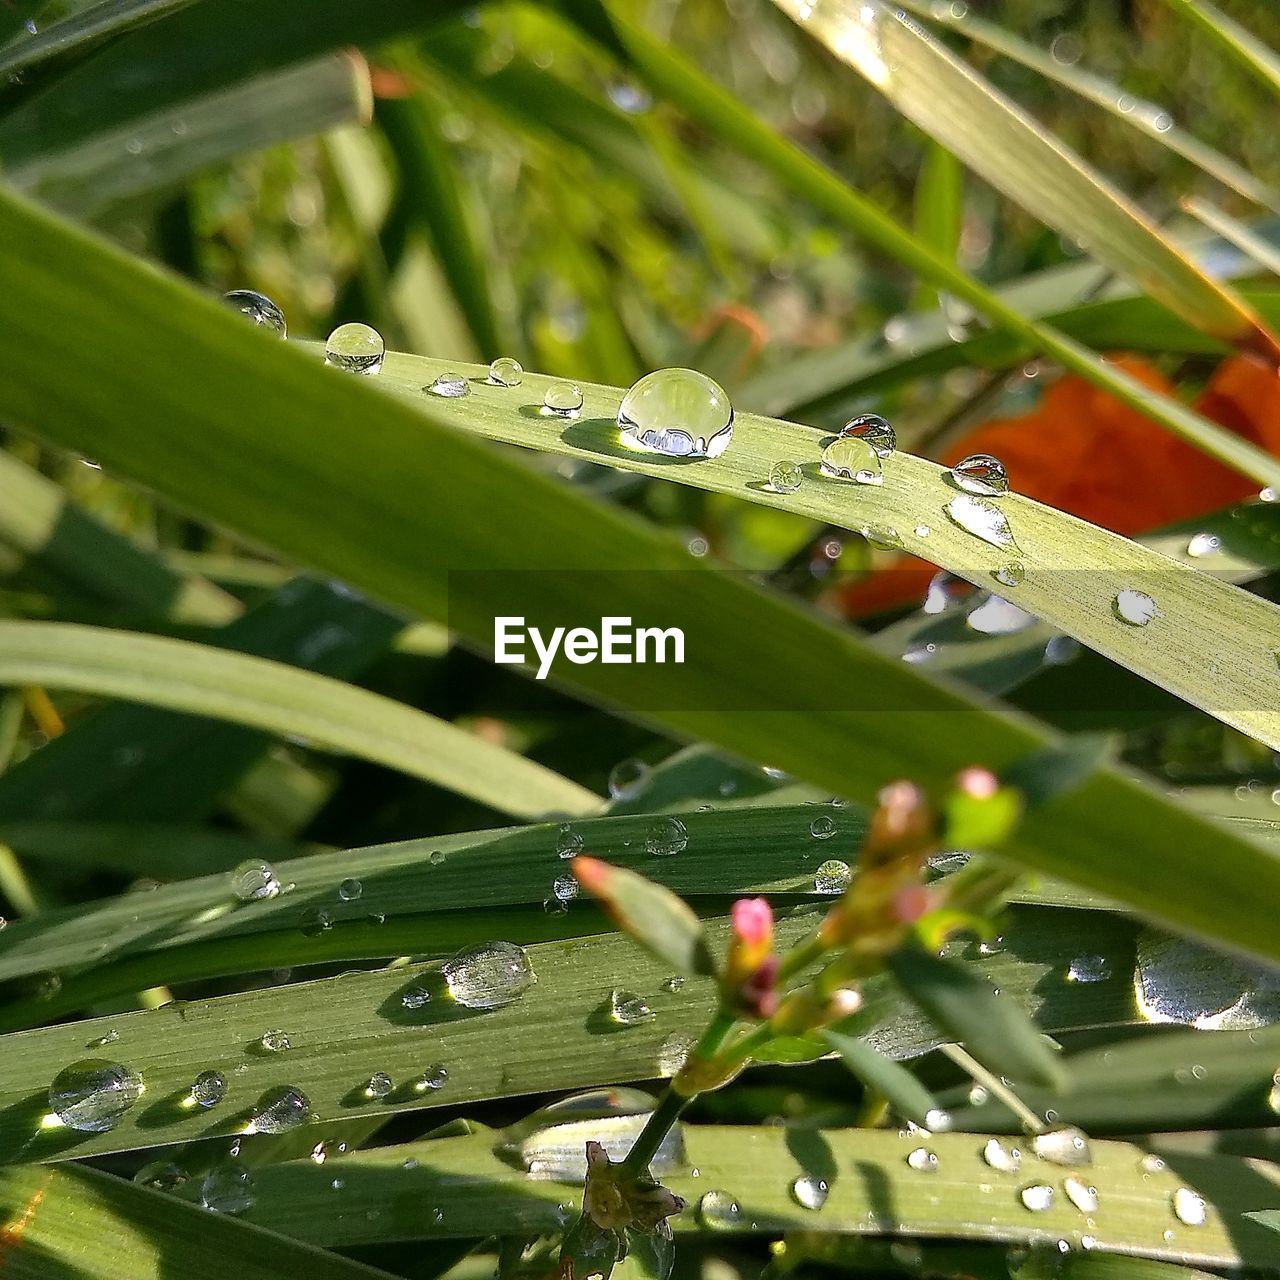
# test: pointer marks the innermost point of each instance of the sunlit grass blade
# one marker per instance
(1147, 117)
(1261, 250)
(1240, 43)
(939, 208)
(280, 699)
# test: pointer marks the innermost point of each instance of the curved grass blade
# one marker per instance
(1250, 52)
(81, 375)
(280, 699)
(1261, 250)
(956, 106)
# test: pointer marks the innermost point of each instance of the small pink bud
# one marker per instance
(753, 922)
(911, 903)
(977, 782)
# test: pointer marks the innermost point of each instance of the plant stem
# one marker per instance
(1026, 1117)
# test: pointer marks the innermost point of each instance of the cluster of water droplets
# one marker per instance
(485, 976)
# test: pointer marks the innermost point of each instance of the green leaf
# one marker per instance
(284, 700)
(898, 1085)
(965, 1006)
(1057, 770)
(980, 822)
(1250, 52)
(939, 208)
(1235, 232)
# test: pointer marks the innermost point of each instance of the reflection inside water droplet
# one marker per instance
(678, 412)
(355, 348)
(810, 1192)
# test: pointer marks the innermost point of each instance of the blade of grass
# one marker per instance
(939, 209)
(1240, 43)
(1262, 251)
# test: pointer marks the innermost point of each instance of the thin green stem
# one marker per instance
(1028, 1118)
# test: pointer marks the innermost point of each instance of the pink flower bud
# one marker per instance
(753, 922)
(980, 783)
(911, 903)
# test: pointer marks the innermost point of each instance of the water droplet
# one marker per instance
(506, 372)
(666, 837)
(437, 857)
(849, 458)
(227, 1188)
(630, 98)
(673, 984)
(450, 386)
(978, 1095)
(996, 616)
(315, 922)
(672, 1053)
(436, 1076)
(923, 1160)
(161, 1175)
(416, 997)
(785, 476)
(628, 1009)
(936, 1120)
(1089, 968)
(920, 653)
(1189, 1207)
(810, 1192)
(1081, 1194)
(379, 1085)
(280, 1110)
(253, 879)
(1037, 1197)
(489, 975)
(350, 890)
(1134, 607)
(832, 877)
(627, 779)
(882, 536)
(873, 430)
(1066, 48)
(565, 888)
(92, 1095)
(275, 1041)
(823, 827)
(678, 412)
(981, 473)
(1060, 650)
(208, 1089)
(1013, 574)
(568, 842)
(1065, 1146)
(1204, 544)
(562, 400)
(355, 347)
(719, 1211)
(982, 519)
(102, 1041)
(259, 308)
(1001, 1158)
(337, 1184)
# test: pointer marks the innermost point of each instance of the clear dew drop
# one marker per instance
(719, 1211)
(1204, 544)
(506, 371)
(883, 537)
(666, 838)
(996, 616)
(627, 779)
(1089, 968)
(672, 1053)
(1001, 1158)
(208, 1089)
(848, 458)
(810, 1192)
(436, 1076)
(258, 308)
(785, 476)
(227, 1188)
(416, 998)
(568, 842)
(437, 856)
(92, 1095)
(450, 386)
(982, 519)
(873, 430)
(922, 1160)
(1013, 574)
(1135, 608)
(355, 348)
(101, 1042)
(981, 473)
(630, 98)
(677, 412)
(280, 1110)
(1189, 1207)
(832, 877)
(1037, 1197)
(316, 922)
(350, 890)
(378, 1086)
(161, 1175)
(1065, 1146)
(275, 1041)
(1060, 650)
(564, 888)
(673, 984)
(627, 1009)
(489, 975)
(1081, 1194)
(562, 400)
(253, 879)
(823, 827)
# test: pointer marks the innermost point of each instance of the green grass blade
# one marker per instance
(106, 358)
(939, 209)
(890, 1079)
(279, 699)
(1240, 43)
(1248, 241)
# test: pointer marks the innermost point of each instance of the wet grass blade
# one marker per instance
(279, 699)
(1240, 43)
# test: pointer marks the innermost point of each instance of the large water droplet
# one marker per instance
(874, 430)
(275, 1041)
(823, 827)
(785, 476)
(627, 779)
(1180, 981)
(161, 1175)
(1037, 1197)
(355, 347)
(832, 877)
(849, 458)
(436, 1076)
(1189, 1207)
(378, 1086)
(93, 1094)
(259, 308)
(280, 1110)
(631, 98)
(1065, 1146)
(810, 1192)
(998, 1156)
(719, 1211)
(564, 888)
(208, 1089)
(562, 400)
(996, 616)
(666, 837)
(628, 1009)
(350, 890)
(506, 372)
(1013, 574)
(254, 879)
(450, 386)
(1089, 968)
(1081, 1194)
(883, 537)
(982, 519)
(981, 473)
(227, 1188)
(923, 1160)
(1204, 544)
(568, 842)
(1134, 607)
(678, 412)
(489, 975)
(316, 922)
